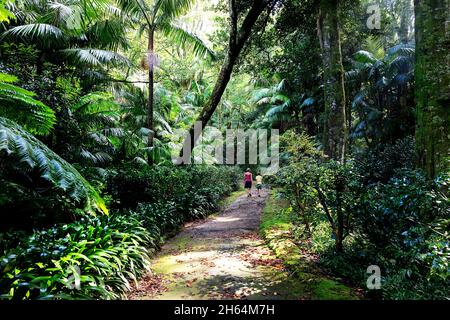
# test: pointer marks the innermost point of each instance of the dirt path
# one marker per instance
(221, 258)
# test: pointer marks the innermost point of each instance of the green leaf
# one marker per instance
(28, 153)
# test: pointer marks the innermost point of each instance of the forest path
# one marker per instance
(220, 258)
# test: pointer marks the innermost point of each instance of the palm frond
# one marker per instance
(94, 158)
(95, 103)
(359, 100)
(95, 57)
(184, 37)
(62, 10)
(307, 103)
(43, 34)
(364, 57)
(173, 8)
(279, 112)
(402, 49)
(134, 8)
(24, 153)
(261, 94)
(159, 119)
(281, 87)
(108, 34)
(19, 105)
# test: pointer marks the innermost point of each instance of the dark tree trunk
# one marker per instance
(433, 86)
(340, 228)
(151, 66)
(236, 44)
(335, 132)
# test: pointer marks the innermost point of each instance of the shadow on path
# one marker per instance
(221, 258)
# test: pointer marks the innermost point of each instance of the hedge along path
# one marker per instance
(223, 258)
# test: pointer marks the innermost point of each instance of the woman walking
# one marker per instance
(248, 182)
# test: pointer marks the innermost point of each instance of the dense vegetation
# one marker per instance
(96, 98)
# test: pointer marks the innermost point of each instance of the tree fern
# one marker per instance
(23, 153)
(274, 102)
(19, 105)
(98, 116)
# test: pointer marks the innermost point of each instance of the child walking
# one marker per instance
(259, 183)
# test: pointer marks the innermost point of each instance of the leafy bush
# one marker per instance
(380, 210)
(382, 162)
(319, 189)
(109, 252)
(389, 211)
(194, 189)
(158, 218)
(321, 238)
(101, 255)
(401, 226)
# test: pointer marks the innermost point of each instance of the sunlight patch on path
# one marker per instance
(223, 258)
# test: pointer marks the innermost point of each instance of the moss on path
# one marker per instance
(276, 229)
(225, 258)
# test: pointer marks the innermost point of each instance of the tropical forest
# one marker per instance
(224, 150)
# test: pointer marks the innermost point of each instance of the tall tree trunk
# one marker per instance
(405, 21)
(335, 128)
(151, 66)
(433, 85)
(236, 44)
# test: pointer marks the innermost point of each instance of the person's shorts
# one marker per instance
(248, 184)
(259, 186)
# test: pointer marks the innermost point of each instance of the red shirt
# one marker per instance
(248, 177)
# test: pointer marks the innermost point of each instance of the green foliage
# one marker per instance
(375, 211)
(67, 74)
(160, 16)
(94, 57)
(95, 142)
(401, 226)
(83, 34)
(321, 240)
(383, 161)
(195, 190)
(5, 14)
(384, 99)
(406, 219)
(159, 218)
(316, 186)
(25, 156)
(395, 207)
(188, 39)
(19, 105)
(108, 252)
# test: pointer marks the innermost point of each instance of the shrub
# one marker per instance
(193, 190)
(104, 254)
(382, 162)
(322, 191)
(158, 218)
(380, 210)
(389, 214)
(107, 252)
(401, 226)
